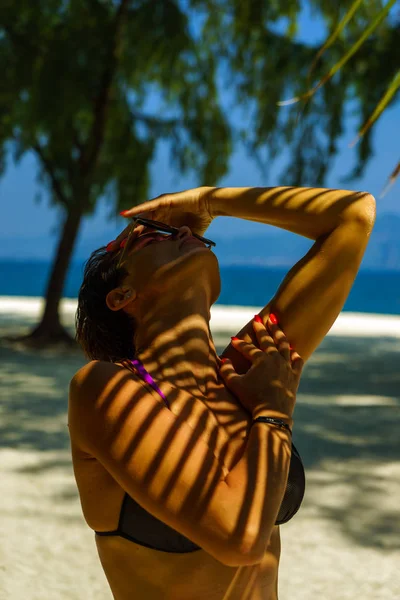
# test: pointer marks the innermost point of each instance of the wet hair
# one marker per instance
(102, 333)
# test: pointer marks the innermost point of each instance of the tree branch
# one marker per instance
(76, 139)
(55, 184)
(96, 136)
(155, 121)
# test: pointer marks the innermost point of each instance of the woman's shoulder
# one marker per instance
(99, 365)
(94, 371)
(86, 370)
(96, 385)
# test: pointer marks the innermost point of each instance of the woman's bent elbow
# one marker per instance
(250, 554)
(246, 555)
(363, 210)
(242, 560)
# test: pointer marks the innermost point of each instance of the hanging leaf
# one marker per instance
(391, 181)
(325, 46)
(344, 58)
(335, 34)
(388, 95)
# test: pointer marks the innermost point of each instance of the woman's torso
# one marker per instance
(135, 571)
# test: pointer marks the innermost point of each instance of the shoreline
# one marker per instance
(223, 317)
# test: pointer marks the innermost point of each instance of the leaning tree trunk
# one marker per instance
(50, 329)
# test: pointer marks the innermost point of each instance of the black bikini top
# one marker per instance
(139, 526)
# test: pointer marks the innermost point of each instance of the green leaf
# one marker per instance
(292, 27)
(335, 33)
(392, 179)
(386, 98)
(382, 14)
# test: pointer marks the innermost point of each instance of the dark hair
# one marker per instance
(102, 333)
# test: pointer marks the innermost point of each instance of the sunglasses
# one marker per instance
(161, 227)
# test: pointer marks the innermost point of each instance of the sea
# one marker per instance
(375, 292)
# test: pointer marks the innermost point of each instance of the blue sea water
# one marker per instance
(372, 292)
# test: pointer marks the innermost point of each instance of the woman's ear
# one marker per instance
(118, 298)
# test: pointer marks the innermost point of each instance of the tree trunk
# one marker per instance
(50, 330)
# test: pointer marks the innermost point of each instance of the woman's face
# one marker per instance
(155, 247)
(152, 254)
(159, 263)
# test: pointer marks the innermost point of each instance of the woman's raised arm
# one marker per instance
(314, 291)
(310, 212)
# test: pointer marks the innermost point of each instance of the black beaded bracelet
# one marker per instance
(271, 420)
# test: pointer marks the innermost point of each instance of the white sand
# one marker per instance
(343, 543)
(223, 318)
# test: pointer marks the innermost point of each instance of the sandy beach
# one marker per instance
(343, 543)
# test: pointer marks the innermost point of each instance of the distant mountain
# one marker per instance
(282, 248)
(383, 251)
(274, 247)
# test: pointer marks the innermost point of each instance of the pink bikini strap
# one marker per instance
(148, 378)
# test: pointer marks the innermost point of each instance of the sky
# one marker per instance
(22, 216)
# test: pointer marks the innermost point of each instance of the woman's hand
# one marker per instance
(271, 382)
(190, 207)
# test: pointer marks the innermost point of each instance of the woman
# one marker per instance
(185, 492)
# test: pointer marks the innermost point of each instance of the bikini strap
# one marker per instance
(137, 364)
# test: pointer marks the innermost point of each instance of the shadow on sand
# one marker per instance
(346, 425)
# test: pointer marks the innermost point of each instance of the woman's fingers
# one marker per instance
(297, 362)
(149, 206)
(280, 339)
(284, 347)
(156, 209)
(267, 344)
(249, 350)
(228, 374)
(276, 340)
(265, 341)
